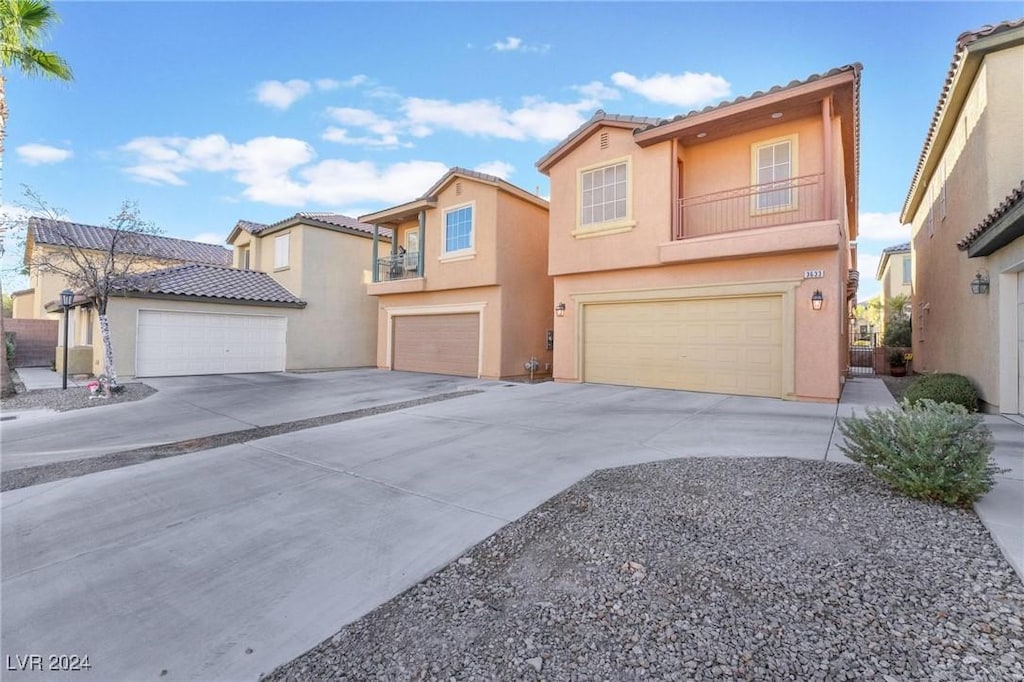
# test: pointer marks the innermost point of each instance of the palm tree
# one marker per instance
(24, 24)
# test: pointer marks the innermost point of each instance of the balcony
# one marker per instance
(398, 266)
(773, 218)
(797, 200)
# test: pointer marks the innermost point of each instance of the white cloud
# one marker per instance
(36, 154)
(509, 44)
(536, 119)
(500, 169)
(867, 266)
(209, 238)
(684, 90)
(281, 95)
(514, 44)
(327, 84)
(883, 227)
(341, 136)
(280, 171)
(597, 90)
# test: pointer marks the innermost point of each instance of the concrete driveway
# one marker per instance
(222, 564)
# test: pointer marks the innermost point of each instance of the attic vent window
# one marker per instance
(458, 189)
(604, 140)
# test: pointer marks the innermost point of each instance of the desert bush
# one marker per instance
(897, 333)
(943, 388)
(9, 348)
(928, 450)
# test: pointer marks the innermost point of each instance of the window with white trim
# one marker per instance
(774, 166)
(604, 194)
(282, 246)
(458, 229)
(906, 269)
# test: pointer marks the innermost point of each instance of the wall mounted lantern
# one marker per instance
(980, 283)
(67, 297)
(817, 299)
(560, 310)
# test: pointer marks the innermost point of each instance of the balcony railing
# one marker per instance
(399, 266)
(784, 202)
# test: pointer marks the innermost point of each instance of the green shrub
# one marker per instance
(897, 333)
(943, 388)
(9, 347)
(927, 450)
(897, 359)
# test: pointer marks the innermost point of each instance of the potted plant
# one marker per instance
(897, 364)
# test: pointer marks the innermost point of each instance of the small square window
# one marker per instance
(603, 194)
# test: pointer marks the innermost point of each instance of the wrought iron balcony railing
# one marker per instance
(399, 266)
(784, 202)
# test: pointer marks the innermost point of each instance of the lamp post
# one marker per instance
(66, 297)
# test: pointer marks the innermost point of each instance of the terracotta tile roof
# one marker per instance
(493, 179)
(210, 281)
(1011, 200)
(856, 68)
(251, 227)
(335, 219)
(962, 43)
(899, 248)
(64, 233)
(641, 122)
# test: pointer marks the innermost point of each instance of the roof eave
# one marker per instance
(962, 80)
(1007, 228)
(398, 213)
(668, 131)
(210, 299)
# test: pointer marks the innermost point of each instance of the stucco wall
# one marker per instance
(526, 289)
(983, 160)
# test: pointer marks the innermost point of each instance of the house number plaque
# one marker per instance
(814, 274)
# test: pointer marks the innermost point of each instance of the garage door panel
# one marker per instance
(174, 343)
(438, 344)
(731, 345)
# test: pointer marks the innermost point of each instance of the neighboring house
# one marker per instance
(864, 322)
(966, 210)
(710, 252)
(48, 240)
(464, 289)
(295, 301)
(896, 273)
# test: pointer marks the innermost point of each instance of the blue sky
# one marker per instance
(206, 113)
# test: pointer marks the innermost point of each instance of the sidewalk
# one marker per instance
(36, 378)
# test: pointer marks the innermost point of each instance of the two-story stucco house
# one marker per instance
(966, 211)
(895, 272)
(464, 289)
(710, 252)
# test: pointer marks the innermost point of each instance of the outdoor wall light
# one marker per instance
(560, 310)
(817, 299)
(980, 283)
(67, 297)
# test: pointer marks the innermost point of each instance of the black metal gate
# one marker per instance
(862, 355)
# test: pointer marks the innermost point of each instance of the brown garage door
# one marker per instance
(440, 344)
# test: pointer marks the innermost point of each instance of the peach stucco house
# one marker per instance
(464, 289)
(712, 251)
(965, 208)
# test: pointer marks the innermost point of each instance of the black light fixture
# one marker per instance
(980, 283)
(817, 299)
(560, 310)
(66, 298)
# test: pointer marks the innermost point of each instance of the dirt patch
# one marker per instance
(897, 385)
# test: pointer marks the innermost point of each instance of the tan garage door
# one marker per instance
(441, 344)
(724, 345)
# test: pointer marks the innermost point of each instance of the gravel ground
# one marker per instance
(74, 398)
(755, 569)
(897, 385)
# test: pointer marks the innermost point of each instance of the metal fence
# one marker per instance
(398, 266)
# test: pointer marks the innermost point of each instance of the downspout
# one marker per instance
(423, 224)
(376, 253)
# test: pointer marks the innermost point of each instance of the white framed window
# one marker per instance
(412, 241)
(773, 165)
(243, 258)
(458, 230)
(906, 270)
(282, 247)
(604, 194)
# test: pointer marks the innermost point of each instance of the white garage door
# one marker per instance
(176, 343)
(725, 345)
